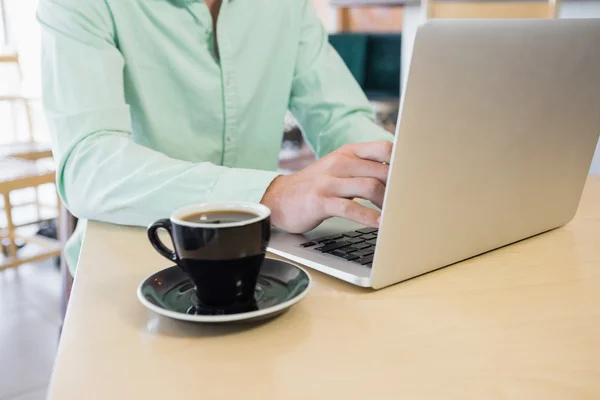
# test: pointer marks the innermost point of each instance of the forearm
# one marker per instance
(333, 127)
(108, 177)
(353, 128)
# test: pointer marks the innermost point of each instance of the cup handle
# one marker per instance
(157, 243)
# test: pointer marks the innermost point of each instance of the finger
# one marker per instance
(380, 151)
(359, 168)
(353, 211)
(363, 188)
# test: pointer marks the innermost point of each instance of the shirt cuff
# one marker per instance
(239, 184)
(357, 130)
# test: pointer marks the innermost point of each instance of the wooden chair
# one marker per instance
(490, 9)
(13, 92)
(27, 149)
(17, 174)
(16, 96)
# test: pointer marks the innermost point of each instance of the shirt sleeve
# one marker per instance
(102, 173)
(328, 103)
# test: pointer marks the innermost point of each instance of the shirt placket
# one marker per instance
(230, 131)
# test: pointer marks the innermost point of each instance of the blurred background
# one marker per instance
(373, 37)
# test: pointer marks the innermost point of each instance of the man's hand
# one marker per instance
(301, 201)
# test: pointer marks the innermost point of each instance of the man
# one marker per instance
(155, 104)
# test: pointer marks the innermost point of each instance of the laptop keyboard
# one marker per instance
(357, 246)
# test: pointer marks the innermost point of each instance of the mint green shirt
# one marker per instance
(145, 118)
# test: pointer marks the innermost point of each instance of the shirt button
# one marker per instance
(229, 138)
(229, 82)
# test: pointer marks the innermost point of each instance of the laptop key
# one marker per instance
(369, 265)
(354, 240)
(347, 249)
(337, 253)
(333, 246)
(308, 244)
(350, 256)
(369, 236)
(365, 252)
(372, 241)
(328, 238)
(365, 260)
(351, 234)
(366, 230)
(360, 246)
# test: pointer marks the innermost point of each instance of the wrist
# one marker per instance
(271, 193)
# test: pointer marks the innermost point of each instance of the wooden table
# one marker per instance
(522, 322)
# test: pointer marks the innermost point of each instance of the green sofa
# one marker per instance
(373, 60)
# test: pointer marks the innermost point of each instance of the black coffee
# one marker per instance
(219, 217)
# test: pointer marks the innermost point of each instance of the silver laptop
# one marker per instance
(496, 134)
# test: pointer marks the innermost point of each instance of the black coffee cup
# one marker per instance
(220, 246)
